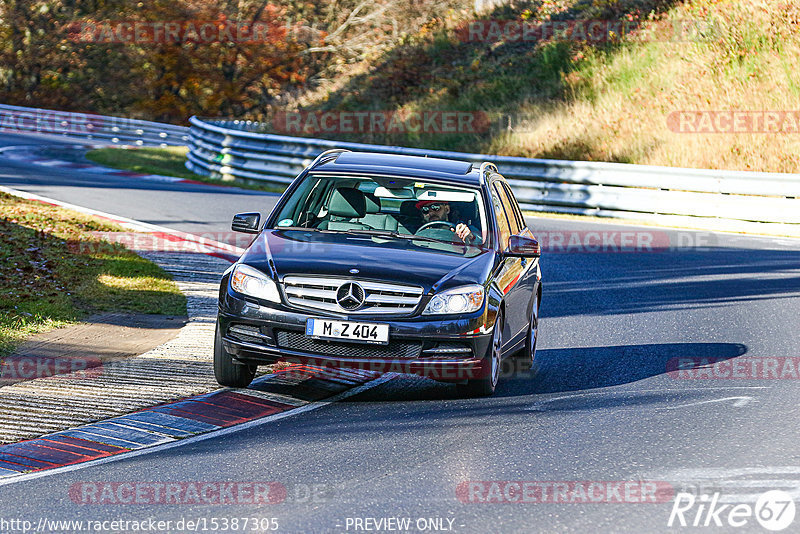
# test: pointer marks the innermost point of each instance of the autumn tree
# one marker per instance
(89, 55)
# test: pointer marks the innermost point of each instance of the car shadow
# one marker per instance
(565, 370)
(576, 369)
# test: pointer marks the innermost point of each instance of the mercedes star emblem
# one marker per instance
(350, 296)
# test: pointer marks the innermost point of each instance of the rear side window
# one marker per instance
(513, 225)
(503, 228)
(514, 205)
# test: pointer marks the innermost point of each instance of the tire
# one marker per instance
(226, 371)
(486, 385)
(527, 356)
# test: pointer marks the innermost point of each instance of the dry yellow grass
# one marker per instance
(600, 102)
(621, 101)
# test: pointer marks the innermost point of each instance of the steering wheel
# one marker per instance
(446, 224)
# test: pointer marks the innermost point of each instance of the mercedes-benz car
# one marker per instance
(384, 262)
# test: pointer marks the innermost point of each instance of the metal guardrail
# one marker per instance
(115, 130)
(236, 149)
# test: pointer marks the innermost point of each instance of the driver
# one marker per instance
(438, 210)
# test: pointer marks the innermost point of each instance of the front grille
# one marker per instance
(302, 343)
(379, 297)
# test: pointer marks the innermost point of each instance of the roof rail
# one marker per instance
(488, 167)
(324, 156)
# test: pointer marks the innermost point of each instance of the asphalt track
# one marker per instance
(602, 409)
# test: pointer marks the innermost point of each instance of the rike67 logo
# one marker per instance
(774, 510)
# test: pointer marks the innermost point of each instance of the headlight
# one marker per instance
(252, 282)
(465, 299)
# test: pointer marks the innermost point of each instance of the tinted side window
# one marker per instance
(502, 221)
(515, 207)
(513, 224)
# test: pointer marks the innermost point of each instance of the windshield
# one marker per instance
(389, 207)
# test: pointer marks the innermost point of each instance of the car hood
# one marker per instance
(431, 265)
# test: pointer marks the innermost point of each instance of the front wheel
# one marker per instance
(485, 385)
(226, 371)
(527, 356)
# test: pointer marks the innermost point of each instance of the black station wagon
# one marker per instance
(384, 262)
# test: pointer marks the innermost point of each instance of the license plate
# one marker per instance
(349, 331)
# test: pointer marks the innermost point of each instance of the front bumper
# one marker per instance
(446, 349)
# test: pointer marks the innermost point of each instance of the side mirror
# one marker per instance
(247, 223)
(520, 246)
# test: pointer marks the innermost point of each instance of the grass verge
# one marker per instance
(55, 271)
(615, 99)
(169, 161)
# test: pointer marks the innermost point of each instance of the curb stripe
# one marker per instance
(244, 405)
(172, 432)
(188, 411)
(169, 421)
(94, 446)
(155, 431)
(281, 399)
(177, 422)
(229, 415)
(302, 392)
(21, 460)
(21, 455)
(12, 464)
(41, 450)
(78, 433)
(22, 477)
(11, 468)
(66, 447)
(136, 437)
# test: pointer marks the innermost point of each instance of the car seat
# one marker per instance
(345, 205)
(374, 218)
(465, 212)
(409, 216)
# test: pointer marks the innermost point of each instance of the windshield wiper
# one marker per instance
(304, 229)
(411, 237)
(378, 233)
